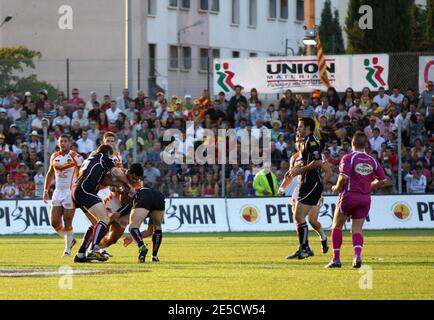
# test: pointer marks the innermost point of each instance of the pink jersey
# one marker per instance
(360, 169)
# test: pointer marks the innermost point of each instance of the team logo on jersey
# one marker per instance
(364, 169)
(401, 211)
(250, 214)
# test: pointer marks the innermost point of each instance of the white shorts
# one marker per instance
(104, 193)
(62, 198)
(294, 197)
(112, 204)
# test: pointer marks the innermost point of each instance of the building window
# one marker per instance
(173, 54)
(235, 12)
(203, 5)
(215, 53)
(152, 7)
(186, 58)
(235, 54)
(204, 59)
(284, 9)
(253, 54)
(253, 12)
(215, 5)
(300, 10)
(272, 9)
(185, 4)
(173, 3)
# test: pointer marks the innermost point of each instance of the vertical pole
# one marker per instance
(309, 20)
(209, 74)
(67, 79)
(138, 74)
(223, 180)
(45, 139)
(400, 157)
(130, 46)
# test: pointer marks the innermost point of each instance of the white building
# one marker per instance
(173, 39)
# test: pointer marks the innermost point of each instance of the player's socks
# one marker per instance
(69, 238)
(336, 243)
(157, 238)
(302, 231)
(357, 244)
(322, 234)
(135, 233)
(87, 239)
(60, 231)
(98, 233)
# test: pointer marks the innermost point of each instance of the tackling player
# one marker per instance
(64, 166)
(311, 185)
(146, 201)
(359, 173)
(297, 161)
(85, 190)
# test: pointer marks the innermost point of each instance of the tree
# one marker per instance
(429, 24)
(13, 64)
(391, 31)
(418, 40)
(354, 33)
(339, 38)
(330, 31)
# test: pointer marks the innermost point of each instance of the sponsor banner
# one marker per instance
(301, 74)
(33, 217)
(426, 71)
(195, 215)
(274, 214)
(248, 214)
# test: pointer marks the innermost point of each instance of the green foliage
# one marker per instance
(430, 25)
(354, 33)
(13, 63)
(330, 31)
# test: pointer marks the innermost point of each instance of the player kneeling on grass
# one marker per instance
(92, 173)
(146, 201)
(296, 161)
(359, 173)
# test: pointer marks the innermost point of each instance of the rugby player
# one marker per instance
(359, 173)
(146, 201)
(93, 171)
(311, 185)
(297, 161)
(64, 167)
(154, 229)
(115, 201)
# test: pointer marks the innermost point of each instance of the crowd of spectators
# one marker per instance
(23, 118)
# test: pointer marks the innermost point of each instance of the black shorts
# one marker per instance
(83, 199)
(149, 199)
(310, 194)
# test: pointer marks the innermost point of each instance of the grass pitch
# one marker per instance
(226, 266)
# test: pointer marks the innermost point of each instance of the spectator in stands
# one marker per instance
(85, 145)
(15, 112)
(396, 99)
(37, 122)
(324, 109)
(39, 180)
(151, 173)
(62, 120)
(75, 101)
(113, 113)
(265, 182)
(10, 189)
(417, 183)
(307, 111)
(238, 188)
(210, 188)
(425, 99)
(123, 101)
(233, 103)
(192, 187)
(376, 141)
(90, 104)
(366, 99)
(8, 100)
(24, 124)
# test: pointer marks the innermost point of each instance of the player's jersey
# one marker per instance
(361, 169)
(117, 159)
(311, 152)
(65, 168)
(93, 171)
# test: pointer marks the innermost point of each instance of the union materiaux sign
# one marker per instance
(301, 74)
